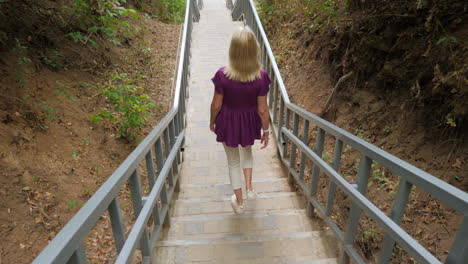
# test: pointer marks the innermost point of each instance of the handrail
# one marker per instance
(166, 140)
(281, 110)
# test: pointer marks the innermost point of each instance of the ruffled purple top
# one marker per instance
(238, 122)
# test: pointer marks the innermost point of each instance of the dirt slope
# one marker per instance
(407, 95)
(52, 157)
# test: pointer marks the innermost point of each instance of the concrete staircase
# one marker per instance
(204, 229)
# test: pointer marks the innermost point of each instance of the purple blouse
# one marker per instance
(238, 122)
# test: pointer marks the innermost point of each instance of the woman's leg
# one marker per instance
(234, 165)
(246, 158)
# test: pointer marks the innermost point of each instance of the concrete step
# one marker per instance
(264, 202)
(201, 172)
(189, 191)
(231, 226)
(301, 247)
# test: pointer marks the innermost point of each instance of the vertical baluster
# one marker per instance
(270, 95)
(151, 179)
(305, 138)
(135, 189)
(353, 220)
(335, 166)
(150, 168)
(280, 122)
(286, 124)
(173, 140)
(159, 166)
(458, 253)
(292, 156)
(167, 149)
(117, 224)
(315, 169)
(275, 104)
(399, 205)
(79, 256)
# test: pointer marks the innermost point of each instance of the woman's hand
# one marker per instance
(212, 127)
(265, 139)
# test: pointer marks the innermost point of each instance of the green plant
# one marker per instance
(379, 175)
(23, 61)
(84, 142)
(63, 90)
(171, 10)
(370, 233)
(76, 155)
(54, 60)
(72, 204)
(87, 192)
(444, 41)
(49, 112)
(101, 19)
(131, 106)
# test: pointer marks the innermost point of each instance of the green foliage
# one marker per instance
(49, 112)
(23, 62)
(171, 10)
(322, 13)
(131, 106)
(269, 12)
(370, 233)
(76, 155)
(63, 90)
(379, 175)
(54, 60)
(103, 19)
(72, 204)
(444, 41)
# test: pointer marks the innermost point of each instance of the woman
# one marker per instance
(239, 110)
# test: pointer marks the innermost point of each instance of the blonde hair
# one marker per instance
(244, 65)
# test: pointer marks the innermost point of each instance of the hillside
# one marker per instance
(73, 75)
(408, 94)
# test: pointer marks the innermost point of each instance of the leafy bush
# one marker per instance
(131, 106)
(100, 19)
(171, 10)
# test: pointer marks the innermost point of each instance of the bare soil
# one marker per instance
(382, 104)
(52, 158)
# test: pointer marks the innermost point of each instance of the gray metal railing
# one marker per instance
(281, 113)
(166, 141)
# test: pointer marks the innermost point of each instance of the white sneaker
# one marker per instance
(251, 194)
(238, 209)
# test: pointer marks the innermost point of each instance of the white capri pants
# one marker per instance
(238, 157)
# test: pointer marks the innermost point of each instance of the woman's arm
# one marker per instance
(216, 105)
(265, 117)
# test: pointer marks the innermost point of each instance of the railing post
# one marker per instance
(305, 138)
(459, 251)
(79, 256)
(275, 100)
(399, 205)
(335, 166)
(315, 169)
(281, 139)
(285, 143)
(117, 224)
(292, 156)
(135, 189)
(353, 220)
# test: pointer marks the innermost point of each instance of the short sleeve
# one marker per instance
(217, 82)
(265, 85)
